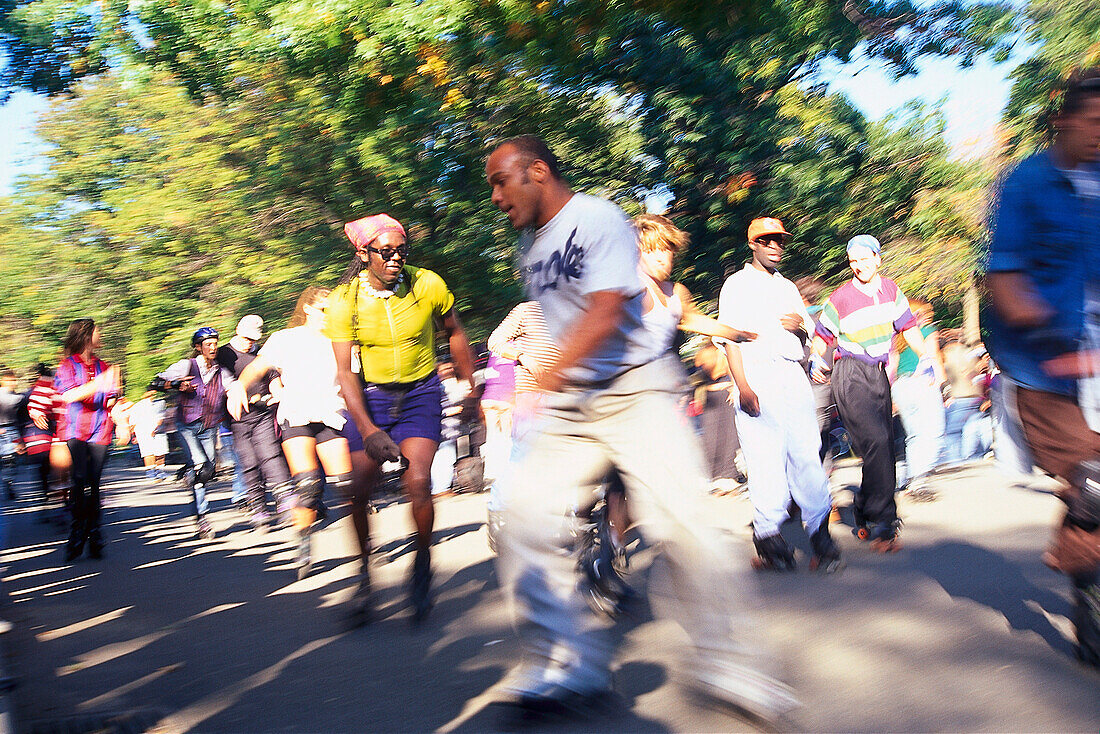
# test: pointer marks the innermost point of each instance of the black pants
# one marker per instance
(40, 464)
(87, 468)
(260, 455)
(862, 394)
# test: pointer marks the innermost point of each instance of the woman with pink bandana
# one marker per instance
(391, 312)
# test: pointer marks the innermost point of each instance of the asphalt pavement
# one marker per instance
(963, 630)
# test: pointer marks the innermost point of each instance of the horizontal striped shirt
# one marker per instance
(524, 331)
(43, 402)
(88, 420)
(863, 326)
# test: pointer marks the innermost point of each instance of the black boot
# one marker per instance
(95, 544)
(826, 553)
(420, 586)
(773, 554)
(304, 560)
(75, 545)
(360, 608)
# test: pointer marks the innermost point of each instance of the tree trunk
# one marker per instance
(972, 333)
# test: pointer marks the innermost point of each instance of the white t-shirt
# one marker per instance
(307, 369)
(753, 300)
(146, 416)
(589, 246)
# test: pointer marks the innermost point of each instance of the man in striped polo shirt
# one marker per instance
(861, 318)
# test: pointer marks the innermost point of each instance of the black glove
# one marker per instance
(380, 447)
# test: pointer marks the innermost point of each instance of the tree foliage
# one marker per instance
(205, 154)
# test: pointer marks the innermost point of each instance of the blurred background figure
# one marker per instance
(718, 420)
(11, 442)
(43, 411)
(965, 395)
(977, 435)
(147, 420)
(813, 292)
(919, 399)
(259, 462)
(455, 392)
(498, 398)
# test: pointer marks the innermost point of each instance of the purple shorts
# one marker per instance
(410, 411)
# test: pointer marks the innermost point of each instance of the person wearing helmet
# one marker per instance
(201, 383)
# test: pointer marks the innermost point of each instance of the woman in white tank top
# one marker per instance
(669, 306)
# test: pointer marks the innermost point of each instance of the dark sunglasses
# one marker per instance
(387, 253)
(773, 241)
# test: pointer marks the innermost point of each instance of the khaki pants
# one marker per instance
(561, 452)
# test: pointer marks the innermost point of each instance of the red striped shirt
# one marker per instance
(89, 420)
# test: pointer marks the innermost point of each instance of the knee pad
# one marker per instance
(309, 486)
(342, 484)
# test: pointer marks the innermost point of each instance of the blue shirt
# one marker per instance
(1041, 228)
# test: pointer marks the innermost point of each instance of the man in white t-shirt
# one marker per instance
(776, 417)
(607, 402)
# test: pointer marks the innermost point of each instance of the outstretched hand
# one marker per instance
(236, 400)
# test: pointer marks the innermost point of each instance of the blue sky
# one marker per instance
(973, 98)
(972, 102)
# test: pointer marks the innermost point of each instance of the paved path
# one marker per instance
(964, 630)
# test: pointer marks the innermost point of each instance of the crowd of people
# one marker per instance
(582, 380)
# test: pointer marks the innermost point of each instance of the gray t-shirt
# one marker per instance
(589, 246)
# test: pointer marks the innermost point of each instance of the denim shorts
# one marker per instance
(414, 410)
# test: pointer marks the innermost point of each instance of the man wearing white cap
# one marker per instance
(259, 454)
(861, 318)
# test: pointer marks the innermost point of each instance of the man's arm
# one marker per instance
(750, 403)
(459, 344)
(602, 314)
(1016, 301)
(697, 322)
(378, 445)
(915, 340)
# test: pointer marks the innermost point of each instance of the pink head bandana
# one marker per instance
(363, 231)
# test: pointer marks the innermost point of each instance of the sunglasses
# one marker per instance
(771, 241)
(387, 253)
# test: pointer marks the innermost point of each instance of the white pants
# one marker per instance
(563, 451)
(781, 448)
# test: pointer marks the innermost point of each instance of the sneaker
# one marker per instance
(750, 694)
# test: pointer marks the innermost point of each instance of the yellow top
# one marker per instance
(395, 334)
